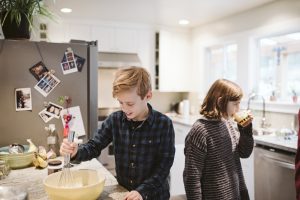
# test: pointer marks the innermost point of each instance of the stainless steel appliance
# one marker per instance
(274, 172)
(16, 57)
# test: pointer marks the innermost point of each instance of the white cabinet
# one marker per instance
(175, 61)
(176, 179)
(248, 171)
(181, 132)
(176, 172)
(115, 39)
(78, 32)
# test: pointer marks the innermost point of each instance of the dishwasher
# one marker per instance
(274, 174)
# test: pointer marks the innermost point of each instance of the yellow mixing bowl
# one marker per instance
(88, 185)
(19, 160)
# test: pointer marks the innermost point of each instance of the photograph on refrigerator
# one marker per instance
(53, 110)
(38, 70)
(68, 63)
(47, 84)
(79, 62)
(45, 117)
(23, 99)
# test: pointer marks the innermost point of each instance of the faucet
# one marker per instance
(263, 120)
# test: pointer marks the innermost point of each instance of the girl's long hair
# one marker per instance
(220, 93)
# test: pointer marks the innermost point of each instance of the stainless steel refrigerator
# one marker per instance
(16, 58)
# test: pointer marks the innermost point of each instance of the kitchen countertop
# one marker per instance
(289, 145)
(188, 121)
(32, 179)
(268, 140)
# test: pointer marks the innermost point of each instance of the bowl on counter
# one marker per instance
(18, 160)
(88, 184)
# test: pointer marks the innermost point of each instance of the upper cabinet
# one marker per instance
(115, 39)
(174, 61)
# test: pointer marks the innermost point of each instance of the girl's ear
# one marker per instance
(219, 102)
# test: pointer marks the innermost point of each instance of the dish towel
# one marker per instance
(297, 163)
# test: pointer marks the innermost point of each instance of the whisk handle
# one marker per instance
(67, 157)
(71, 136)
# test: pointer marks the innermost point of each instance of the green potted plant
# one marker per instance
(17, 17)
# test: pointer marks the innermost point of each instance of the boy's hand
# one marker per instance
(133, 195)
(68, 148)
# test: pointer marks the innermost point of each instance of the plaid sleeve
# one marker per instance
(162, 170)
(93, 147)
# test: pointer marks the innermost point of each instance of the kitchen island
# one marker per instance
(32, 179)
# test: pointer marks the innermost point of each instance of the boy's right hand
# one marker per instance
(67, 147)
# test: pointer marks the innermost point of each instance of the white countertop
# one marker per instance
(269, 140)
(278, 142)
(189, 120)
(32, 179)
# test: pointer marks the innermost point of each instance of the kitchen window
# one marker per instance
(222, 62)
(278, 74)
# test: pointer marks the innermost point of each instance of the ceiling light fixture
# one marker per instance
(183, 22)
(66, 10)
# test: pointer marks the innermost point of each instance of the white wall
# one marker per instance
(105, 82)
(244, 28)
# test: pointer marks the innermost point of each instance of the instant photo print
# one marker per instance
(23, 99)
(79, 62)
(53, 110)
(39, 70)
(68, 63)
(47, 84)
(45, 117)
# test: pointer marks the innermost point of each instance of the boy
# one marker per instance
(143, 139)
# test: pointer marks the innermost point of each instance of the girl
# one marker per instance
(213, 147)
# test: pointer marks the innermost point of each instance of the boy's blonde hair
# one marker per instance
(227, 90)
(129, 78)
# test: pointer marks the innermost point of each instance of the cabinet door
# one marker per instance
(105, 37)
(176, 172)
(146, 49)
(248, 171)
(78, 32)
(181, 132)
(125, 40)
(175, 61)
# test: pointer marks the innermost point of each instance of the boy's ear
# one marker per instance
(148, 95)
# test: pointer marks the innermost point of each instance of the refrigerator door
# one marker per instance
(16, 57)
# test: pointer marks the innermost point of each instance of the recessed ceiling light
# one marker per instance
(183, 22)
(66, 10)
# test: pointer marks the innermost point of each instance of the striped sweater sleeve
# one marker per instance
(195, 154)
(246, 141)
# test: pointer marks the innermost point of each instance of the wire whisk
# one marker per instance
(66, 178)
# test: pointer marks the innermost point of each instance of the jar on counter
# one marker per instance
(54, 166)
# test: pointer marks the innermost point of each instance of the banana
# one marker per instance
(42, 162)
(32, 147)
(42, 152)
(35, 160)
(38, 161)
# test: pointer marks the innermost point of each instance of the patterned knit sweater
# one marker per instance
(213, 171)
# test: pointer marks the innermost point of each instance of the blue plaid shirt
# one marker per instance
(143, 155)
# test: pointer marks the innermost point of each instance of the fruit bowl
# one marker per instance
(88, 185)
(17, 161)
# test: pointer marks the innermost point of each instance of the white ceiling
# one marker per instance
(156, 12)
